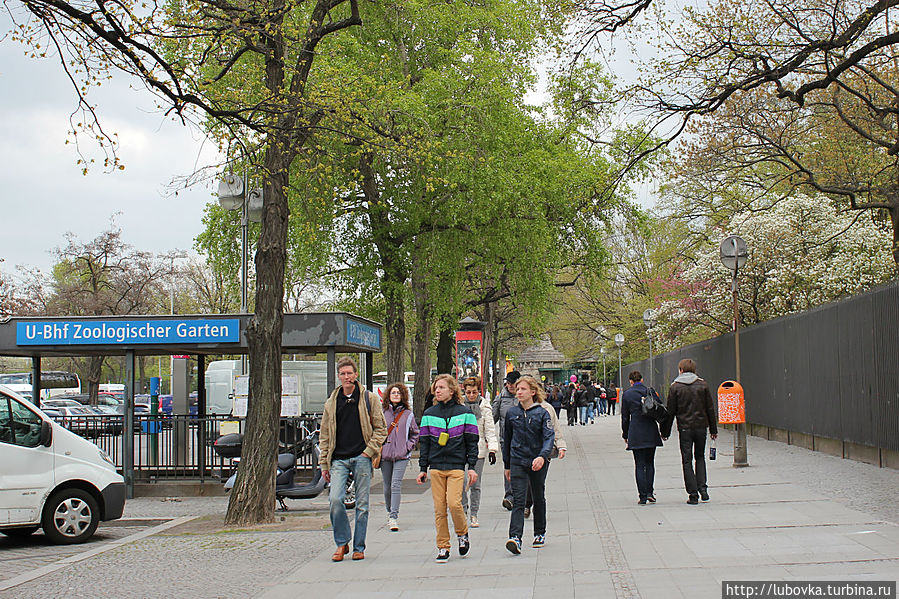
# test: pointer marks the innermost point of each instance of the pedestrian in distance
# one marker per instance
(402, 437)
(487, 445)
(582, 401)
(571, 401)
(641, 436)
(690, 403)
(500, 408)
(449, 443)
(603, 405)
(352, 432)
(528, 442)
(555, 397)
(612, 398)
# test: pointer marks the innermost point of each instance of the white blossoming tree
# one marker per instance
(803, 252)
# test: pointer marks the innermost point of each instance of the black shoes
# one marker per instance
(464, 544)
(651, 498)
(704, 495)
(642, 501)
(442, 556)
(507, 503)
(693, 500)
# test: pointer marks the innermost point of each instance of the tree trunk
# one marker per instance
(393, 279)
(498, 372)
(421, 340)
(395, 326)
(445, 352)
(94, 373)
(490, 367)
(253, 497)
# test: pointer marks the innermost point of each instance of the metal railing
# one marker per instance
(181, 447)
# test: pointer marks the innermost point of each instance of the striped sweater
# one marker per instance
(462, 446)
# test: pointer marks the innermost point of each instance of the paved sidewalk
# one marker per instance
(793, 515)
(759, 525)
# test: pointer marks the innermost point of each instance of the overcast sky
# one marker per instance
(44, 193)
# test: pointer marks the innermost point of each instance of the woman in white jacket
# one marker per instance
(487, 444)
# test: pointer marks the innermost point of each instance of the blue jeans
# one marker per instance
(602, 405)
(590, 412)
(582, 410)
(340, 522)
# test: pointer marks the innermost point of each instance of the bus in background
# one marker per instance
(53, 382)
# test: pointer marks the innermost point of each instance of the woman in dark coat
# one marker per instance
(641, 435)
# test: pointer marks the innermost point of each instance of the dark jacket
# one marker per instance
(638, 430)
(527, 434)
(462, 446)
(581, 399)
(690, 401)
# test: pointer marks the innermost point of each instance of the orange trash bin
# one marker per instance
(731, 403)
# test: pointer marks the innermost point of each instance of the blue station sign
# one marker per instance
(360, 333)
(131, 332)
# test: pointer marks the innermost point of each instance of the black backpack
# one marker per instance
(651, 405)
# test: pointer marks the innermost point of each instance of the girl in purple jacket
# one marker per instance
(402, 435)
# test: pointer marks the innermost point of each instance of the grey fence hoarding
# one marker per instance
(831, 372)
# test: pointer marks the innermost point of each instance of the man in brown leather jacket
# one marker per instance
(690, 401)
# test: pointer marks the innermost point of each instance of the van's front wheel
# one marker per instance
(70, 516)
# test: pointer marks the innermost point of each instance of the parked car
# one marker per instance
(103, 399)
(81, 421)
(110, 420)
(64, 484)
(60, 403)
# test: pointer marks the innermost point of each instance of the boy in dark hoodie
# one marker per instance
(448, 441)
(690, 402)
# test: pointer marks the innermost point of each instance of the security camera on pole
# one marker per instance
(734, 253)
(619, 341)
(602, 350)
(232, 195)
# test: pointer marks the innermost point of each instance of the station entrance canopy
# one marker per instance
(194, 335)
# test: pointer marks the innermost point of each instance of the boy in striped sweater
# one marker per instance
(448, 440)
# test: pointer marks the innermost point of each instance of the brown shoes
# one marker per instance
(357, 555)
(341, 551)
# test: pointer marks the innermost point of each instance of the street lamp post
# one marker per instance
(734, 253)
(232, 195)
(619, 341)
(649, 319)
(602, 350)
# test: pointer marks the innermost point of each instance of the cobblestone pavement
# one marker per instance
(19, 556)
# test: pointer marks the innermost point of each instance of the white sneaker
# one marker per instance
(474, 522)
(392, 525)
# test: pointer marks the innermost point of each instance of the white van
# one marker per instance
(52, 478)
(312, 377)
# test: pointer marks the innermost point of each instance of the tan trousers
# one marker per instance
(446, 488)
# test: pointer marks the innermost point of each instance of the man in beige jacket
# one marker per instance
(352, 432)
